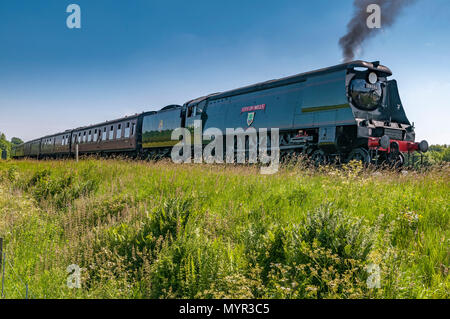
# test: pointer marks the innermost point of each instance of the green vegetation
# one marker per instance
(160, 230)
(439, 153)
(6, 145)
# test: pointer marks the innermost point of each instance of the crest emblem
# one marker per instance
(250, 118)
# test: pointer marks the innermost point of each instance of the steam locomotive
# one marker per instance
(341, 113)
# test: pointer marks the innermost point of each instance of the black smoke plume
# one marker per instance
(357, 30)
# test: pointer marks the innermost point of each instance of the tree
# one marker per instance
(4, 145)
(16, 141)
(446, 155)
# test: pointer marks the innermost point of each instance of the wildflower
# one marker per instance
(411, 217)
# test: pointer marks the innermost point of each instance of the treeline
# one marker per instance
(438, 154)
(6, 145)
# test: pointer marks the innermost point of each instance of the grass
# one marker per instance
(161, 230)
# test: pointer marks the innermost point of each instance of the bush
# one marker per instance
(60, 191)
(195, 267)
(109, 207)
(337, 231)
(325, 257)
(138, 243)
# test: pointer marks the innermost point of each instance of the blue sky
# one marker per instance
(133, 56)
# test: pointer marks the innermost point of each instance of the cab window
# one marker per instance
(199, 110)
(190, 111)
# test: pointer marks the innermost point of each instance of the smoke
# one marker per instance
(357, 29)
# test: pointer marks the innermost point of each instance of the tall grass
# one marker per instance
(161, 230)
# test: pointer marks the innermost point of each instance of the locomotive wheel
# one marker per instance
(396, 159)
(360, 155)
(318, 158)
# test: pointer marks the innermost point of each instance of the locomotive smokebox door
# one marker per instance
(327, 135)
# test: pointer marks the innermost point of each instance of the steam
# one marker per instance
(357, 30)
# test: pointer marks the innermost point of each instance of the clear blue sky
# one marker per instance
(133, 56)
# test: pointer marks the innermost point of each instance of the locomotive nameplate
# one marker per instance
(253, 108)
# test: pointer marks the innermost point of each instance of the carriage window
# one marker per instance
(119, 131)
(127, 130)
(104, 134)
(132, 129)
(111, 132)
(84, 137)
(89, 138)
(95, 136)
(79, 138)
(63, 141)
